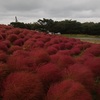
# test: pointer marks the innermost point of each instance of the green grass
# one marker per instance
(81, 36)
(85, 37)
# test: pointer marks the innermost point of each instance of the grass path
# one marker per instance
(86, 38)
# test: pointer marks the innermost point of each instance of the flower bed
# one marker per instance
(39, 66)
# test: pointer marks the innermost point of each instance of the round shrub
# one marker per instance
(68, 45)
(54, 58)
(47, 44)
(18, 61)
(62, 46)
(75, 51)
(15, 31)
(55, 40)
(94, 65)
(21, 35)
(39, 57)
(14, 48)
(28, 44)
(64, 52)
(94, 50)
(82, 74)
(56, 46)
(39, 44)
(3, 46)
(3, 56)
(23, 86)
(68, 90)
(86, 45)
(7, 43)
(98, 91)
(80, 46)
(65, 61)
(19, 42)
(83, 58)
(4, 35)
(51, 50)
(49, 74)
(4, 72)
(12, 37)
(45, 38)
(1, 37)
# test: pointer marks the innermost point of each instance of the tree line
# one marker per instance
(64, 26)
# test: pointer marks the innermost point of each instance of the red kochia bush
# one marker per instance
(55, 40)
(86, 45)
(16, 62)
(23, 86)
(81, 59)
(28, 44)
(4, 71)
(39, 44)
(3, 46)
(80, 46)
(12, 37)
(4, 35)
(62, 46)
(19, 42)
(3, 56)
(80, 73)
(7, 43)
(45, 38)
(14, 48)
(62, 60)
(19, 60)
(68, 90)
(51, 50)
(75, 51)
(39, 57)
(47, 44)
(13, 31)
(21, 35)
(65, 61)
(56, 46)
(94, 65)
(94, 50)
(98, 91)
(49, 74)
(1, 37)
(64, 52)
(68, 45)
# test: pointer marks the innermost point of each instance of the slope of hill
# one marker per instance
(38, 66)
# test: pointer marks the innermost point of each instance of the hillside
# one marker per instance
(39, 66)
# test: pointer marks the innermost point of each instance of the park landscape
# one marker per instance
(36, 65)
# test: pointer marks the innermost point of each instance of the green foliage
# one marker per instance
(21, 25)
(64, 27)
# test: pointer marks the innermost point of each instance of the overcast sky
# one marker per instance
(31, 10)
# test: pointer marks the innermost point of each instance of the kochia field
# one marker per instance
(39, 66)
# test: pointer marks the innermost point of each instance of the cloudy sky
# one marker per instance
(31, 10)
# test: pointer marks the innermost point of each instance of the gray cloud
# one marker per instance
(32, 10)
(21, 5)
